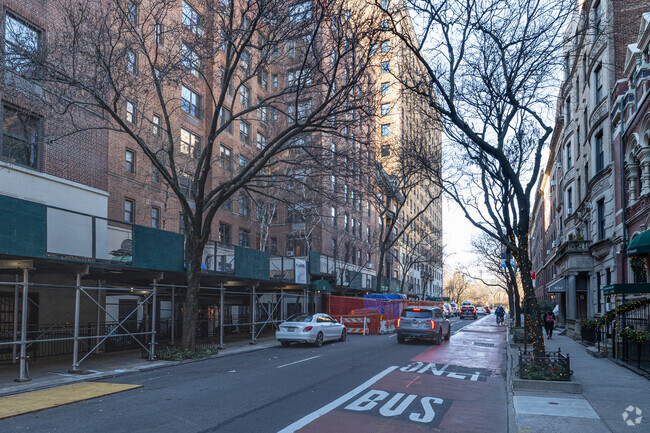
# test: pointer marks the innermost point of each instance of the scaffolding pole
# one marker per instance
(24, 377)
(253, 315)
(221, 299)
(173, 314)
(14, 350)
(77, 307)
(152, 352)
(99, 316)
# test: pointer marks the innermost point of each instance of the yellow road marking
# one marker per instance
(61, 395)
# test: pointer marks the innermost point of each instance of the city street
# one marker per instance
(366, 384)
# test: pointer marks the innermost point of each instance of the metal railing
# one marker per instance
(552, 366)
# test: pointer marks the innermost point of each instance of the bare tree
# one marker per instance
(488, 251)
(457, 285)
(490, 75)
(125, 61)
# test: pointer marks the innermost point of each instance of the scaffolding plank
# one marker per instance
(33, 401)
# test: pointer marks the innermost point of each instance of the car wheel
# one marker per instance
(285, 343)
(401, 338)
(438, 339)
(319, 340)
(344, 335)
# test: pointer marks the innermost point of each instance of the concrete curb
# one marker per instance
(568, 387)
(512, 420)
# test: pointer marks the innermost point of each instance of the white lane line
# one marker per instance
(296, 362)
(336, 403)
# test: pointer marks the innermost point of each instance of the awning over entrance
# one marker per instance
(626, 289)
(640, 244)
(558, 286)
(321, 285)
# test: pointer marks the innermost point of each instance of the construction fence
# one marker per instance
(369, 316)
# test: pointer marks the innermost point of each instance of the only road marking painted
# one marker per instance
(296, 362)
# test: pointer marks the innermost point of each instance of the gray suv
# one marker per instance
(423, 322)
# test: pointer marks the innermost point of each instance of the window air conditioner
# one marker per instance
(289, 253)
(371, 265)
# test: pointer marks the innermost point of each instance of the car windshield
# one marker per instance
(412, 314)
(300, 318)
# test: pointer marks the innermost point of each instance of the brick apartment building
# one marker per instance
(88, 216)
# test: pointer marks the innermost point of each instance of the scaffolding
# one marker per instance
(129, 317)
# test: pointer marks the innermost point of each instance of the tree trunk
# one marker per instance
(191, 307)
(517, 303)
(532, 319)
(380, 269)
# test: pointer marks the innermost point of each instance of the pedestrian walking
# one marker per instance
(549, 323)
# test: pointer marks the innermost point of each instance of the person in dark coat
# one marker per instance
(549, 323)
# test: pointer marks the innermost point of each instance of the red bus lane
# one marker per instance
(456, 387)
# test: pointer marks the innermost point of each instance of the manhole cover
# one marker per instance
(483, 344)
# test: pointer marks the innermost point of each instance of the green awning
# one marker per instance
(321, 285)
(640, 244)
(626, 289)
(438, 298)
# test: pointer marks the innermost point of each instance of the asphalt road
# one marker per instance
(268, 390)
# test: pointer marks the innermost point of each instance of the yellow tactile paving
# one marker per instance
(48, 398)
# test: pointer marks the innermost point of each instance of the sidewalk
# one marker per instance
(50, 372)
(607, 391)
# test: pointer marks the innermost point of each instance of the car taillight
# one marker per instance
(308, 328)
(277, 327)
(417, 309)
(433, 324)
(398, 322)
(474, 311)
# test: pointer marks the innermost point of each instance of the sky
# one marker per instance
(457, 236)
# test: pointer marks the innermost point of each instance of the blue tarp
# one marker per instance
(381, 303)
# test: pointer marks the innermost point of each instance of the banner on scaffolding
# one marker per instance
(301, 271)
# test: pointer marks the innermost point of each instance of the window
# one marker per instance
(569, 201)
(274, 81)
(243, 162)
(244, 97)
(263, 79)
(244, 238)
(21, 40)
(385, 4)
(333, 211)
(244, 205)
(132, 12)
(261, 141)
(185, 183)
(367, 234)
(159, 29)
(155, 217)
(129, 158)
(300, 12)
(385, 88)
(373, 49)
(224, 118)
(131, 62)
(130, 112)
(225, 158)
(601, 219)
(385, 25)
(333, 246)
(129, 207)
(598, 82)
(155, 174)
(600, 153)
(245, 60)
(181, 223)
(244, 132)
(155, 124)
(190, 60)
(333, 183)
(192, 20)
(385, 67)
(385, 151)
(385, 46)
(225, 233)
(597, 18)
(368, 208)
(190, 143)
(385, 109)
(21, 137)
(191, 103)
(385, 130)
(569, 158)
(346, 223)
(274, 246)
(567, 110)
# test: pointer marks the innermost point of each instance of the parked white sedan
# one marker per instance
(310, 328)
